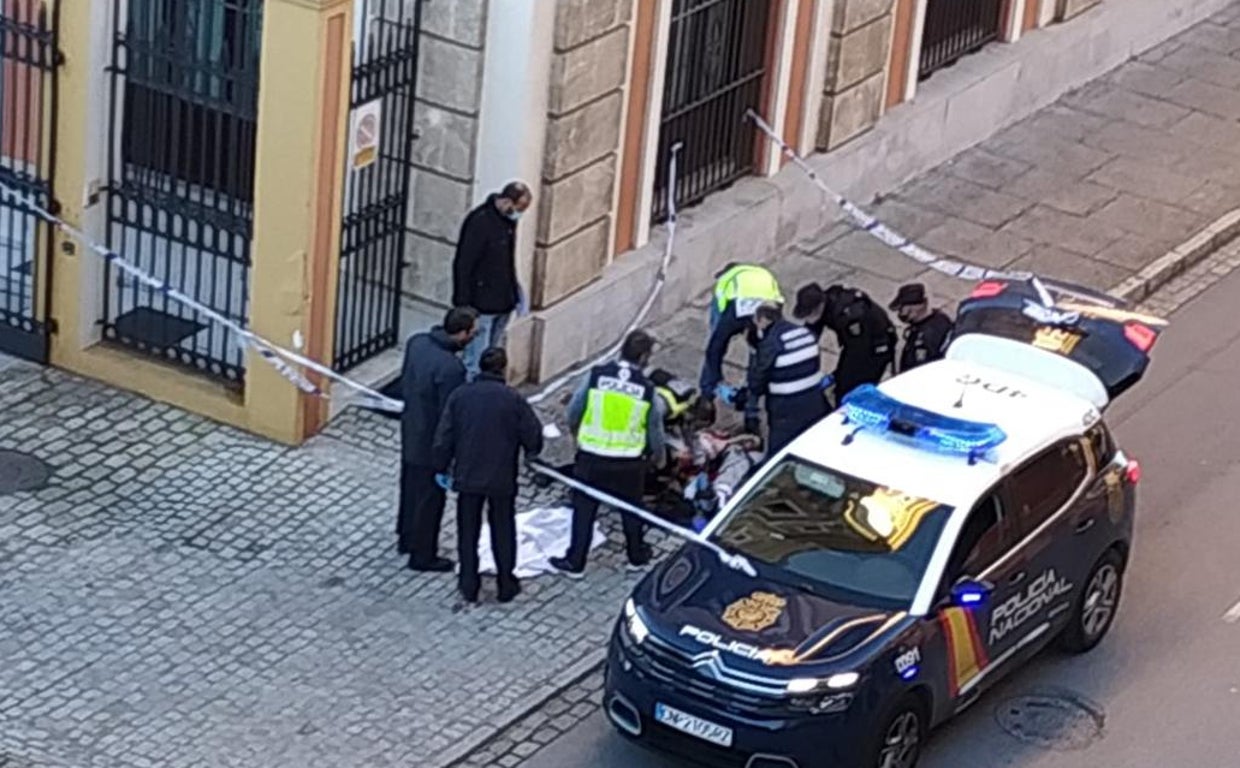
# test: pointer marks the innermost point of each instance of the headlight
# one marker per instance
(842, 681)
(634, 624)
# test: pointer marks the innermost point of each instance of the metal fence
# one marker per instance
(955, 28)
(385, 58)
(716, 70)
(28, 62)
(181, 177)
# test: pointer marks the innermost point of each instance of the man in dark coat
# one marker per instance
(432, 371)
(483, 428)
(866, 335)
(927, 330)
(484, 272)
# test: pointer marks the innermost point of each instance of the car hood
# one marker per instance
(694, 601)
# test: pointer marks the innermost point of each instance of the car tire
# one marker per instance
(1093, 611)
(898, 741)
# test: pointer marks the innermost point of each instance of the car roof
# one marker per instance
(1032, 415)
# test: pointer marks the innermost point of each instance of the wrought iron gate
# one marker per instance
(956, 28)
(372, 248)
(716, 69)
(27, 96)
(181, 175)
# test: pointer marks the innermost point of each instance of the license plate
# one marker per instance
(694, 726)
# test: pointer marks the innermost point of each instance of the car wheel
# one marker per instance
(897, 742)
(1093, 613)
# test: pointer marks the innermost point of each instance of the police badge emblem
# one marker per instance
(754, 613)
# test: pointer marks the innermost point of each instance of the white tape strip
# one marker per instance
(280, 358)
(732, 560)
(655, 290)
(907, 247)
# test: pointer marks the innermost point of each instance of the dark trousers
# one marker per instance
(502, 517)
(623, 478)
(421, 513)
(787, 417)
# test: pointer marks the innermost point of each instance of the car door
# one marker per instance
(986, 537)
(1049, 561)
(1096, 518)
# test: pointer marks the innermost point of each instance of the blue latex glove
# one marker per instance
(699, 523)
(828, 381)
(523, 306)
(727, 393)
(444, 481)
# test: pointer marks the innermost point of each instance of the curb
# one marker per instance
(1180, 259)
(1134, 289)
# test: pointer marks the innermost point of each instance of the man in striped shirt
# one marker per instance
(787, 371)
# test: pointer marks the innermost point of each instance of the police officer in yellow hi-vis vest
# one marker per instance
(618, 420)
(739, 291)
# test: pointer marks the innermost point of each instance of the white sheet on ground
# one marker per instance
(542, 534)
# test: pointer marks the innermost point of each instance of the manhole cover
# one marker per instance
(22, 472)
(1058, 721)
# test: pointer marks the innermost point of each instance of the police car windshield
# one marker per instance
(843, 538)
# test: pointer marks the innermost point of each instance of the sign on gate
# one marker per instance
(364, 134)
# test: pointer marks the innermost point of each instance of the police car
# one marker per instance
(904, 554)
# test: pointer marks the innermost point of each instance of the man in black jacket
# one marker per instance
(865, 334)
(484, 426)
(432, 371)
(484, 272)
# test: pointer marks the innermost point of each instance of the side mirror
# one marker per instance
(968, 593)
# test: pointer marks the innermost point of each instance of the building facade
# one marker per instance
(298, 169)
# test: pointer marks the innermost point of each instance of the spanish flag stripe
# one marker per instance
(951, 655)
(965, 655)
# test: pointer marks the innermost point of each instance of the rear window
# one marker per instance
(836, 535)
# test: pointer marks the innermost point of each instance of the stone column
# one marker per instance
(302, 117)
(857, 62)
(446, 116)
(584, 130)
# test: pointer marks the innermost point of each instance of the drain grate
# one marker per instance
(22, 472)
(1060, 720)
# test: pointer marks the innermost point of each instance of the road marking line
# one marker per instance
(1233, 614)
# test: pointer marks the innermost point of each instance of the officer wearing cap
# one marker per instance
(927, 330)
(787, 371)
(866, 335)
(739, 289)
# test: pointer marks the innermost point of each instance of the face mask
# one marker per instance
(514, 214)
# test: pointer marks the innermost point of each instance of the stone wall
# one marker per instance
(857, 60)
(584, 132)
(446, 114)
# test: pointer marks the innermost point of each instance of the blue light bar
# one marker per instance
(871, 409)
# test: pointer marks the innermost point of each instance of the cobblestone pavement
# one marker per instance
(185, 594)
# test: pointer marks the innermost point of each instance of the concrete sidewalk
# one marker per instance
(184, 594)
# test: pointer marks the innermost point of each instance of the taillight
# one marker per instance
(987, 289)
(1141, 336)
(1132, 472)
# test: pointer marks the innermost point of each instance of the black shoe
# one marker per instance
(508, 595)
(566, 568)
(642, 560)
(438, 565)
(471, 599)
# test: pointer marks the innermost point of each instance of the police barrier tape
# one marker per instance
(907, 247)
(730, 559)
(282, 359)
(660, 279)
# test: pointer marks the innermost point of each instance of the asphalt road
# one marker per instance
(1166, 681)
